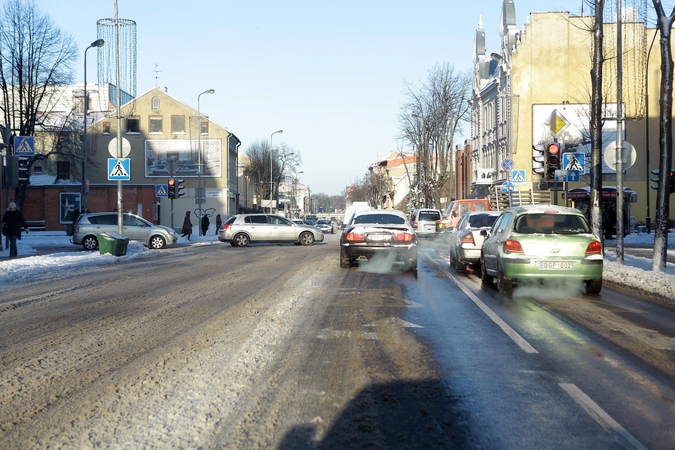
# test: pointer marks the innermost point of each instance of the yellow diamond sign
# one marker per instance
(556, 123)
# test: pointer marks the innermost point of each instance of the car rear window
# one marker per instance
(482, 220)
(388, 219)
(429, 215)
(551, 223)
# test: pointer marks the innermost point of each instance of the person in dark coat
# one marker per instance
(219, 223)
(205, 224)
(187, 226)
(15, 224)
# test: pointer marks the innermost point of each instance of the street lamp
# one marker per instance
(199, 158)
(83, 188)
(272, 165)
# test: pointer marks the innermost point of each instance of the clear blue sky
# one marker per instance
(330, 74)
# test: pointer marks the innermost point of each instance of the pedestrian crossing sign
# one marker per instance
(119, 169)
(161, 190)
(518, 176)
(574, 161)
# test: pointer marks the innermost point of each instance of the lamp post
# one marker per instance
(83, 188)
(199, 157)
(272, 166)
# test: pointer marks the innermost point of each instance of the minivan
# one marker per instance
(424, 221)
(134, 227)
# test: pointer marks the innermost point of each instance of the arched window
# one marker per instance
(155, 102)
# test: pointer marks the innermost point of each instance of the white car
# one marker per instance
(326, 226)
(242, 229)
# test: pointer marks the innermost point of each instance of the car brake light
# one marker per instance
(468, 239)
(594, 248)
(226, 226)
(403, 237)
(355, 237)
(512, 246)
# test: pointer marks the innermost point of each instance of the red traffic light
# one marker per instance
(171, 182)
(553, 149)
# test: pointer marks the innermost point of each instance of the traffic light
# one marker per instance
(671, 180)
(180, 188)
(23, 169)
(172, 188)
(538, 159)
(13, 171)
(656, 178)
(552, 159)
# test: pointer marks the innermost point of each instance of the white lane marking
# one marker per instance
(510, 332)
(600, 416)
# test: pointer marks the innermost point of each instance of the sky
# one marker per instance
(635, 271)
(331, 75)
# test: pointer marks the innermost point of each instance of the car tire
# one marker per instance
(504, 285)
(485, 278)
(157, 242)
(241, 240)
(306, 238)
(593, 287)
(90, 243)
(459, 267)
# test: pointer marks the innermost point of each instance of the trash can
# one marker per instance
(112, 243)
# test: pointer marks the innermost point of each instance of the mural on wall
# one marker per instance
(570, 126)
(185, 156)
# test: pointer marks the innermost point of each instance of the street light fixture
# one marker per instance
(272, 165)
(83, 188)
(199, 157)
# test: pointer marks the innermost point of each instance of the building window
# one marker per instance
(205, 127)
(178, 124)
(155, 102)
(63, 170)
(155, 125)
(106, 127)
(133, 125)
(37, 169)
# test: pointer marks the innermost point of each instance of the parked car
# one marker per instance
(326, 226)
(379, 232)
(134, 227)
(424, 221)
(542, 243)
(242, 229)
(456, 210)
(466, 241)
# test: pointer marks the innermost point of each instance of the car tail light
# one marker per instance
(404, 237)
(355, 237)
(594, 248)
(468, 239)
(512, 246)
(226, 226)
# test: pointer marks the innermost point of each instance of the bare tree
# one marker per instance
(261, 159)
(433, 113)
(35, 57)
(371, 188)
(664, 24)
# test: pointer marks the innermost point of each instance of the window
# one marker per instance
(106, 127)
(155, 102)
(155, 124)
(205, 127)
(133, 124)
(178, 124)
(63, 170)
(255, 219)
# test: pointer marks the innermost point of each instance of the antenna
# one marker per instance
(157, 77)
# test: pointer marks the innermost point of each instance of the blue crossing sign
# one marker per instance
(574, 161)
(161, 190)
(24, 145)
(119, 169)
(518, 176)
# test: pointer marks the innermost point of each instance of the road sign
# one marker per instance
(507, 164)
(567, 175)
(161, 190)
(113, 147)
(119, 169)
(517, 176)
(24, 145)
(628, 155)
(574, 161)
(507, 187)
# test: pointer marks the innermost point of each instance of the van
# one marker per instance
(456, 210)
(424, 221)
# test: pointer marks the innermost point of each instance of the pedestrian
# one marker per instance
(609, 220)
(205, 224)
(74, 217)
(13, 223)
(219, 223)
(187, 226)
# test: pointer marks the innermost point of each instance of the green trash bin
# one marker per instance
(112, 243)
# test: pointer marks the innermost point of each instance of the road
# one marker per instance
(275, 346)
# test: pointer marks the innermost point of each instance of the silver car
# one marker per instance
(134, 227)
(466, 240)
(424, 221)
(242, 229)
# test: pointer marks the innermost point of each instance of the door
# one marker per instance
(282, 229)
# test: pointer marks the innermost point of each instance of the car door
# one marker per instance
(282, 229)
(491, 245)
(257, 227)
(134, 228)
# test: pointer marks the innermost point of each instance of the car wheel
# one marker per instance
(485, 278)
(90, 243)
(593, 287)
(306, 238)
(241, 240)
(459, 267)
(504, 285)
(157, 242)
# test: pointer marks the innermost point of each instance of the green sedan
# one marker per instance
(538, 243)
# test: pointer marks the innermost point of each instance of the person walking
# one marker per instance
(15, 223)
(187, 226)
(205, 224)
(219, 223)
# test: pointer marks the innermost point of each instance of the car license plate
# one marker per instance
(379, 237)
(556, 265)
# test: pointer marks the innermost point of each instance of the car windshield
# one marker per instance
(551, 224)
(324, 222)
(388, 219)
(482, 220)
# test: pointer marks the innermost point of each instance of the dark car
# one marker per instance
(383, 233)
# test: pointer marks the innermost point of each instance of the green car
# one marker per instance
(538, 243)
